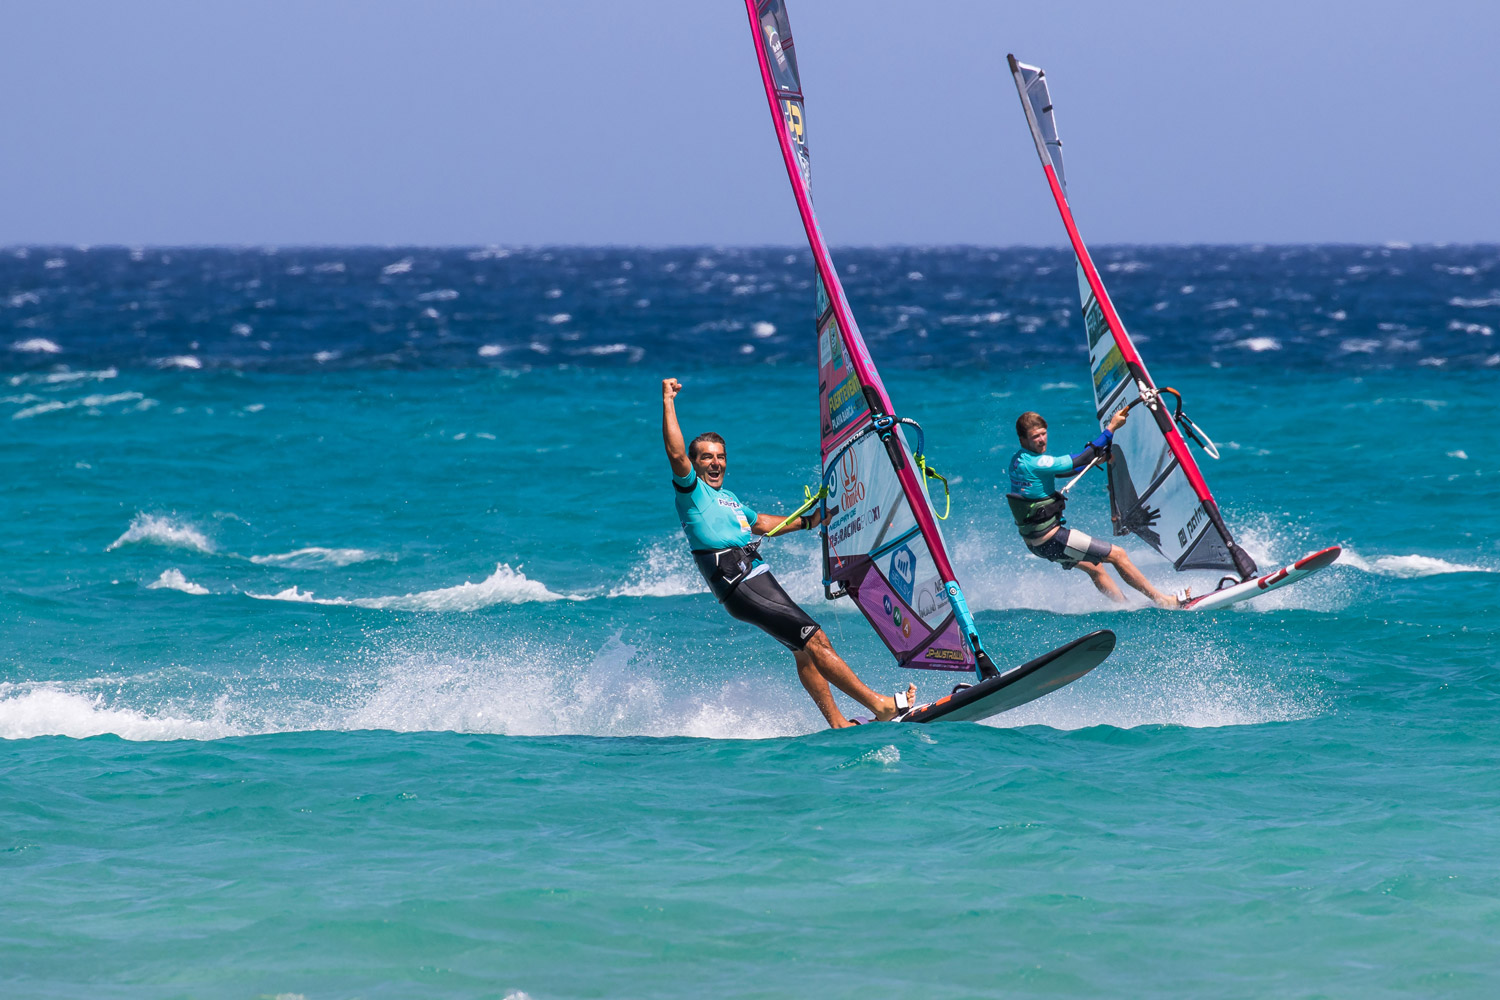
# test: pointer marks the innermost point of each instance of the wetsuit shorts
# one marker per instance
(1068, 548)
(750, 593)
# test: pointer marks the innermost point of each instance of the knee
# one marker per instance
(817, 643)
(1117, 555)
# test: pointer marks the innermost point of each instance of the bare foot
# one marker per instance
(888, 710)
(1175, 600)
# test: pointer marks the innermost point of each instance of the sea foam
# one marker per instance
(666, 571)
(504, 586)
(1179, 682)
(92, 401)
(36, 345)
(1409, 566)
(316, 557)
(172, 579)
(158, 529)
(48, 709)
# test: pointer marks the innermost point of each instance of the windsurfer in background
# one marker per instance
(719, 527)
(1038, 509)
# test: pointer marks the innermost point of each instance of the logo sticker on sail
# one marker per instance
(853, 489)
(903, 574)
(845, 403)
(1110, 373)
(793, 112)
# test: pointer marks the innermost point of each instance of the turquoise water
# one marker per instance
(386, 674)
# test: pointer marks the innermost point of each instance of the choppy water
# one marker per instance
(350, 647)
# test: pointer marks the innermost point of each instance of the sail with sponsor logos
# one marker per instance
(881, 543)
(1156, 488)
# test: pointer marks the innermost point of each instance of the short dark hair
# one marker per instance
(705, 436)
(1028, 422)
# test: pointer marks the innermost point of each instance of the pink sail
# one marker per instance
(881, 545)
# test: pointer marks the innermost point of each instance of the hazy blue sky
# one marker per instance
(595, 121)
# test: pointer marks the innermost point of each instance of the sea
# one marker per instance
(350, 647)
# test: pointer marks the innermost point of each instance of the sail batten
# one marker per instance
(881, 543)
(1156, 489)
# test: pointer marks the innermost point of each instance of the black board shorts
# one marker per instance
(748, 591)
(760, 601)
(1068, 548)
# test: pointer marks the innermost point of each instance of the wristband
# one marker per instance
(806, 522)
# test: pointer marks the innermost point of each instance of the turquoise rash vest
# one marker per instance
(1034, 476)
(1034, 500)
(711, 519)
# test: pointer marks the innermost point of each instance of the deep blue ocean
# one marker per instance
(349, 646)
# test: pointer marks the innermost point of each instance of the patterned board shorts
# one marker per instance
(1068, 548)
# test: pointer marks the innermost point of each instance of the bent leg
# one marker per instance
(1135, 578)
(1102, 582)
(832, 667)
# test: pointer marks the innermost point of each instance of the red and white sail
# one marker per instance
(1156, 488)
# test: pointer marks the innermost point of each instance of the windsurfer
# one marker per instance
(719, 527)
(1038, 509)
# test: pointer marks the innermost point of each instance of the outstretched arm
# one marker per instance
(671, 434)
(765, 522)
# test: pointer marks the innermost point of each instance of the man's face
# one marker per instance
(710, 461)
(1035, 440)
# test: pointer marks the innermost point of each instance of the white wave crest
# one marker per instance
(91, 402)
(667, 571)
(36, 345)
(28, 711)
(1411, 566)
(54, 378)
(158, 529)
(504, 586)
(186, 361)
(316, 557)
(526, 691)
(1259, 344)
(530, 692)
(172, 579)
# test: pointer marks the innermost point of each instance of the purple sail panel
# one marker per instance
(899, 626)
(946, 650)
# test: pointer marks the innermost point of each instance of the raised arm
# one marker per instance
(671, 434)
(1096, 447)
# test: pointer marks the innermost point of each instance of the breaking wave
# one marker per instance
(526, 691)
(158, 529)
(316, 557)
(92, 401)
(667, 571)
(173, 579)
(504, 586)
(49, 709)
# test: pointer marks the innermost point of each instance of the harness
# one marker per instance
(1036, 517)
(726, 569)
